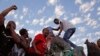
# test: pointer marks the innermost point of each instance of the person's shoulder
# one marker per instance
(39, 35)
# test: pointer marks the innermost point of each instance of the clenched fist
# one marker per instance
(14, 7)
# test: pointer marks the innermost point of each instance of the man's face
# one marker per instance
(11, 24)
(26, 34)
(45, 32)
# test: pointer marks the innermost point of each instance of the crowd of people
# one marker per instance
(44, 44)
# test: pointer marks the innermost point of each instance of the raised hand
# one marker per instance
(6, 11)
(14, 7)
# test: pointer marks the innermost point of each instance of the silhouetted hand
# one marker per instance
(14, 7)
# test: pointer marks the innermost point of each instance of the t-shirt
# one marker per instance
(40, 43)
(16, 50)
(67, 25)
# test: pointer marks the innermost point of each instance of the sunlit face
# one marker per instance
(45, 32)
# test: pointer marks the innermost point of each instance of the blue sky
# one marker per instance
(34, 15)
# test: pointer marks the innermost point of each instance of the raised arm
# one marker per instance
(14, 35)
(18, 39)
(6, 11)
(56, 29)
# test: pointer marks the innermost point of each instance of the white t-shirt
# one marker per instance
(67, 25)
(18, 51)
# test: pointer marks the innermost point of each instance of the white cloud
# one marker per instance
(98, 13)
(49, 20)
(89, 36)
(31, 31)
(99, 19)
(35, 21)
(37, 32)
(82, 29)
(76, 20)
(85, 7)
(25, 10)
(90, 22)
(65, 17)
(11, 13)
(17, 31)
(15, 16)
(78, 1)
(34, 33)
(97, 33)
(89, 14)
(52, 2)
(96, 26)
(17, 23)
(59, 10)
(42, 21)
(98, 9)
(41, 10)
(27, 21)
(21, 17)
(20, 26)
(73, 14)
